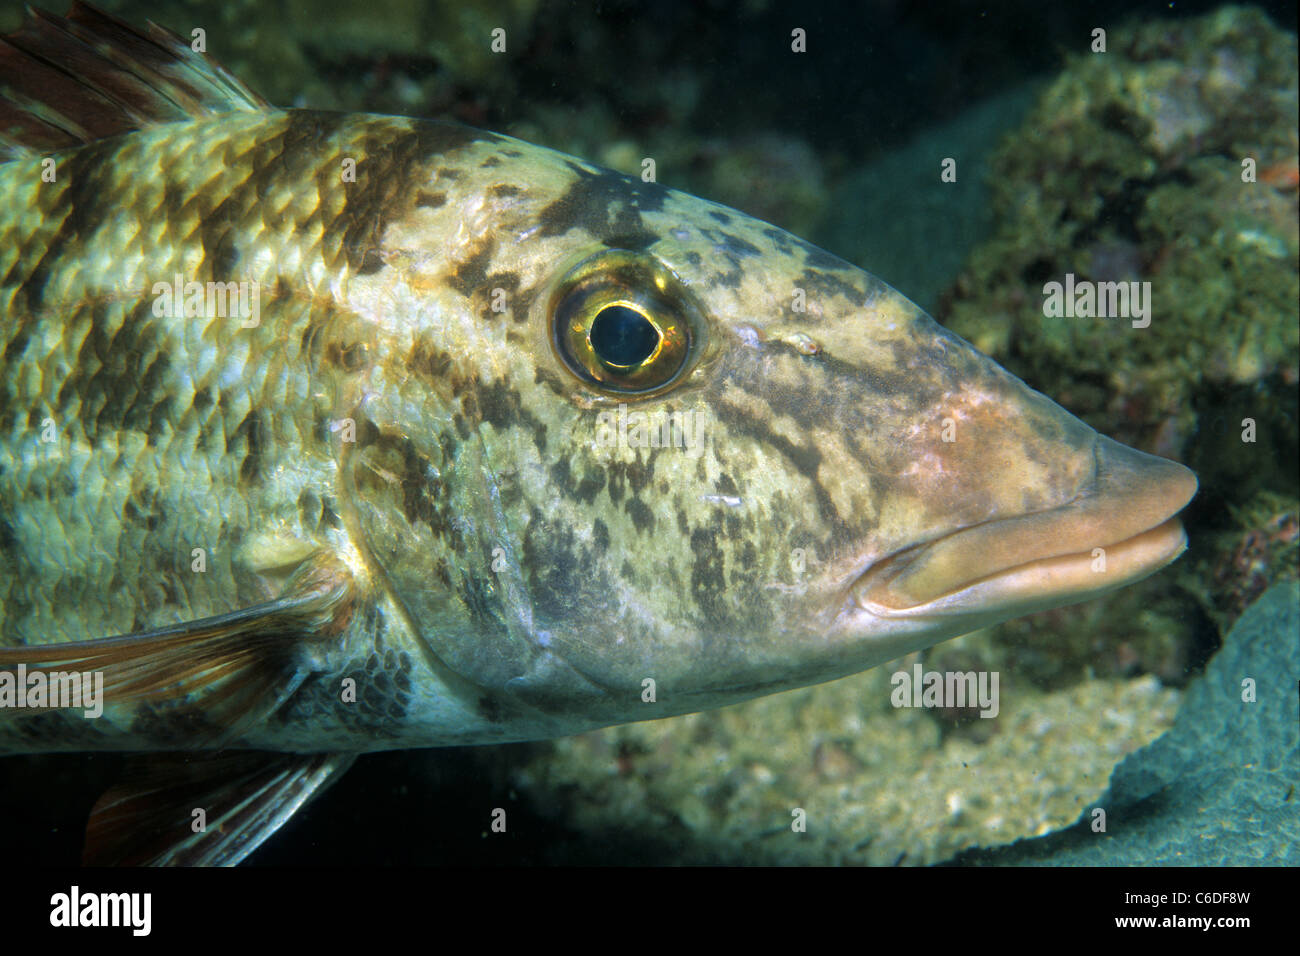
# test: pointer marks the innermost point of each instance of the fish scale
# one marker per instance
(414, 503)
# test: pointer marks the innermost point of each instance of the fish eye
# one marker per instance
(623, 323)
(623, 337)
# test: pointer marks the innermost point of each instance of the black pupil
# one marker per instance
(622, 336)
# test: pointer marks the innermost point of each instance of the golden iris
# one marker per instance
(623, 323)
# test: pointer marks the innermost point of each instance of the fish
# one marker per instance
(330, 433)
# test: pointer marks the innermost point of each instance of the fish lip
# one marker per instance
(1035, 584)
(1122, 528)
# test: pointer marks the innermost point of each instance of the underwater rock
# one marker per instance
(1130, 166)
(893, 216)
(1264, 548)
(1219, 788)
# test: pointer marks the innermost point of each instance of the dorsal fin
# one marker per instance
(70, 80)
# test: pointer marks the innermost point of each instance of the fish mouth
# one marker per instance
(1119, 530)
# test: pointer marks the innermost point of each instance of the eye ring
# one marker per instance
(624, 324)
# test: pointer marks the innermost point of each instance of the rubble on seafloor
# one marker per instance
(875, 784)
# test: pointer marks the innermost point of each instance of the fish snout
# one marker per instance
(1120, 527)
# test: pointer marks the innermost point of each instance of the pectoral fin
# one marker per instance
(222, 674)
(203, 810)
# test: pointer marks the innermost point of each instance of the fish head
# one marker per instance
(658, 456)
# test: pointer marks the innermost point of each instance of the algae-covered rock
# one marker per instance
(1263, 548)
(1130, 168)
(1220, 787)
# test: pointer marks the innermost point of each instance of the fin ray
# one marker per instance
(147, 818)
(65, 81)
(232, 668)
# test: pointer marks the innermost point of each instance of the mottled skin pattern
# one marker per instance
(514, 578)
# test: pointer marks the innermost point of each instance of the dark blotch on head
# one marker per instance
(590, 486)
(562, 475)
(728, 280)
(500, 406)
(806, 460)
(732, 244)
(554, 566)
(386, 166)
(471, 273)
(435, 366)
(708, 574)
(825, 285)
(424, 497)
(605, 203)
(634, 242)
(428, 200)
(779, 238)
(509, 283)
(641, 516)
(818, 258)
